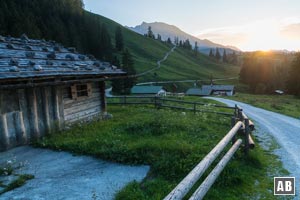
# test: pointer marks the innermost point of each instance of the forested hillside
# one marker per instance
(61, 20)
(66, 21)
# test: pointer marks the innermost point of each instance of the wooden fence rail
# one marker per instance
(211, 178)
(188, 182)
(160, 102)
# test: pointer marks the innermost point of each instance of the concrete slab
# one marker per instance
(61, 175)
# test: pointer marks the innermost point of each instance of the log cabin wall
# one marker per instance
(84, 106)
(27, 114)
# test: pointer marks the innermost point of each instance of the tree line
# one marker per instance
(226, 58)
(66, 22)
(185, 44)
(266, 72)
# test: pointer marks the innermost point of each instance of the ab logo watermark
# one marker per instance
(284, 185)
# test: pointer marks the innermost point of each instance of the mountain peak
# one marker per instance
(170, 31)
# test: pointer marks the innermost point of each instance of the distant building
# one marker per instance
(279, 92)
(225, 90)
(194, 92)
(44, 86)
(148, 90)
(206, 90)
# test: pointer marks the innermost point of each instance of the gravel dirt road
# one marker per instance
(284, 129)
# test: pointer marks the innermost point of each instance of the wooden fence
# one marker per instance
(161, 102)
(240, 125)
(240, 134)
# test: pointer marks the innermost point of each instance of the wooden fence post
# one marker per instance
(194, 108)
(247, 135)
(236, 111)
(233, 121)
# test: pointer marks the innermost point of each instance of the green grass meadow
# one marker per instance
(285, 104)
(172, 143)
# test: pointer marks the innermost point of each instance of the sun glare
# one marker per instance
(264, 36)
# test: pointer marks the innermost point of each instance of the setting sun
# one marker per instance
(259, 35)
(262, 35)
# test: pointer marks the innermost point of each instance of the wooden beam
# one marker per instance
(24, 108)
(247, 134)
(54, 82)
(4, 140)
(58, 107)
(34, 118)
(102, 97)
(188, 182)
(251, 142)
(20, 128)
(211, 178)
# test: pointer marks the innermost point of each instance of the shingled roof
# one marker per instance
(146, 89)
(24, 58)
(209, 89)
(218, 87)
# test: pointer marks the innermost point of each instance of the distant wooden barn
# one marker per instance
(206, 90)
(44, 86)
(148, 90)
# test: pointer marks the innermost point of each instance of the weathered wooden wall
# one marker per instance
(84, 108)
(27, 114)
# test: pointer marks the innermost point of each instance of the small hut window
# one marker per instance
(67, 93)
(81, 90)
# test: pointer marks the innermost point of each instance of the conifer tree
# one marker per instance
(196, 48)
(117, 84)
(176, 41)
(234, 58)
(158, 37)
(225, 60)
(218, 56)
(106, 46)
(180, 43)
(211, 53)
(169, 41)
(119, 39)
(150, 33)
(128, 66)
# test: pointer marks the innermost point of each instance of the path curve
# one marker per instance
(158, 64)
(284, 129)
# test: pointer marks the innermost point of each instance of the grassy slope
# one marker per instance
(172, 143)
(181, 64)
(285, 104)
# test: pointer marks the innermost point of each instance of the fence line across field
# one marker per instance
(161, 102)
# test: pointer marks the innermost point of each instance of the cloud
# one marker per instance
(225, 36)
(291, 31)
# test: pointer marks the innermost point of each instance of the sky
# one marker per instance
(246, 24)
